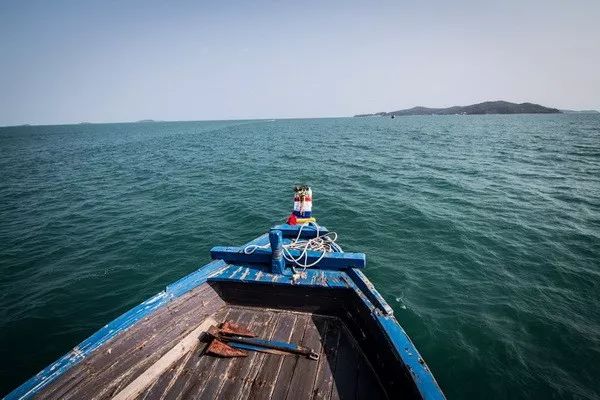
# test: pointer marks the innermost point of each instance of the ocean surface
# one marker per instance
(482, 232)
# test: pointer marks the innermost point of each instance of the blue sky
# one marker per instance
(108, 61)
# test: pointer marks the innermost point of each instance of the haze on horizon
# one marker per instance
(71, 61)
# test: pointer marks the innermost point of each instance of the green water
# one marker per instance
(482, 232)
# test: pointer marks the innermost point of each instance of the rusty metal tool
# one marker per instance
(232, 340)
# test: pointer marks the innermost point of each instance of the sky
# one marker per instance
(113, 61)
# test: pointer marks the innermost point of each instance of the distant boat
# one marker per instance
(321, 332)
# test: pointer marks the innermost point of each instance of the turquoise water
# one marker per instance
(482, 232)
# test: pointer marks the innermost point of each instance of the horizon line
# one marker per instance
(150, 121)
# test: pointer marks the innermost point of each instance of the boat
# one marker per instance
(306, 324)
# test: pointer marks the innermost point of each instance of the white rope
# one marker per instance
(322, 243)
(251, 248)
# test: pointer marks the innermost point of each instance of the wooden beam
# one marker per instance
(332, 261)
(148, 377)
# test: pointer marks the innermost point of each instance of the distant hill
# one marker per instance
(488, 107)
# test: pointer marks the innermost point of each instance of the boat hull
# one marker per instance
(153, 350)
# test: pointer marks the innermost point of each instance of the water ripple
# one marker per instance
(483, 232)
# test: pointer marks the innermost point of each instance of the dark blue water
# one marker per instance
(483, 232)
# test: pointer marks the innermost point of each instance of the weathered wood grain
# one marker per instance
(199, 372)
(162, 385)
(213, 385)
(258, 361)
(289, 362)
(163, 364)
(346, 369)
(303, 377)
(342, 371)
(327, 362)
(367, 385)
(264, 382)
(318, 300)
(124, 357)
(262, 326)
(170, 331)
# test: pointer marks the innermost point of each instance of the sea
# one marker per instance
(482, 232)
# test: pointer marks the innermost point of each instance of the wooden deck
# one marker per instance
(162, 358)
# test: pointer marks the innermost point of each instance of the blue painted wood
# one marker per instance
(381, 311)
(28, 389)
(277, 261)
(336, 271)
(261, 274)
(333, 260)
(407, 352)
(35, 384)
(365, 285)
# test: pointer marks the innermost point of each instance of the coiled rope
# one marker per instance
(324, 243)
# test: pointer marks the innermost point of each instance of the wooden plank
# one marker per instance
(264, 381)
(164, 384)
(181, 349)
(70, 381)
(159, 340)
(161, 386)
(289, 362)
(143, 343)
(36, 384)
(259, 359)
(368, 289)
(199, 370)
(305, 372)
(213, 384)
(239, 369)
(327, 362)
(367, 385)
(259, 376)
(346, 368)
(378, 344)
(320, 300)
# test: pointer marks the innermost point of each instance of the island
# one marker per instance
(488, 107)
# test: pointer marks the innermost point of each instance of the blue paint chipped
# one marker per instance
(365, 285)
(407, 352)
(35, 384)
